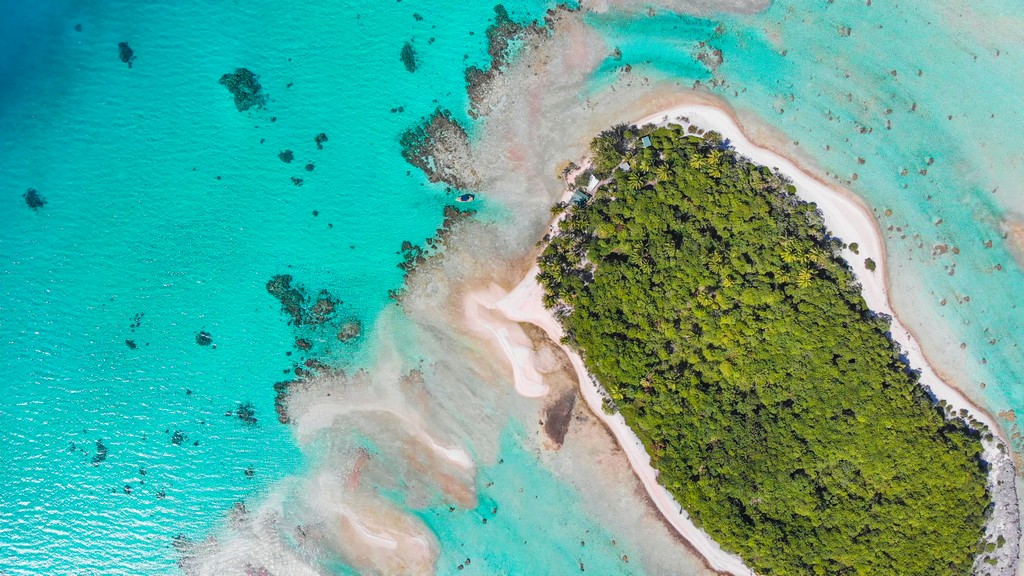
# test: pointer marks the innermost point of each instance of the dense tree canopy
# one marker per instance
(716, 311)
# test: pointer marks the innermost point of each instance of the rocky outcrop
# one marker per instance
(999, 550)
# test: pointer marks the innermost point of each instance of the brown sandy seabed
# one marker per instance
(564, 420)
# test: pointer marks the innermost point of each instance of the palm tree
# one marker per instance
(803, 278)
(714, 164)
(634, 181)
(643, 164)
(789, 256)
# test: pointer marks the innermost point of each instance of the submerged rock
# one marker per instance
(101, 453)
(350, 330)
(323, 308)
(414, 255)
(178, 437)
(245, 87)
(204, 338)
(286, 156)
(281, 401)
(181, 542)
(33, 199)
(408, 57)
(246, 413)
(711, 58)
(126, 53)
(292, 299)
(320, 139)
(302, 309)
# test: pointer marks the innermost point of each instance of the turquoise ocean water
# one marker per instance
(168, 210)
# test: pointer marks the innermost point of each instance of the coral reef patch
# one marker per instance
(246, 413)
(281, 400)
(414, 255)
(178, 438)
(292, 299)
(505, 37)
(101, 453)
(316, 319)
(244, 85)
(408, 57)
(350, 330)
(440, 147)
(125, 53)
(33, 199)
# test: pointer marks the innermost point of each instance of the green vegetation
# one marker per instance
(716, 311)
(869, 264)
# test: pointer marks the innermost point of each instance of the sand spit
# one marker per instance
(512, 340)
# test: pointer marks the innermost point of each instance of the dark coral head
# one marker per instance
(33, 199)
(244, 85)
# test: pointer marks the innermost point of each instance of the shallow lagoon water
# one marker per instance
(162, 201)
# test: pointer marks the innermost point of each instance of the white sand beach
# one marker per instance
(496, 312)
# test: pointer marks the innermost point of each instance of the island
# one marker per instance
(720, 316)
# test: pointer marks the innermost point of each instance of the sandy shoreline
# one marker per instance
(495, 312)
